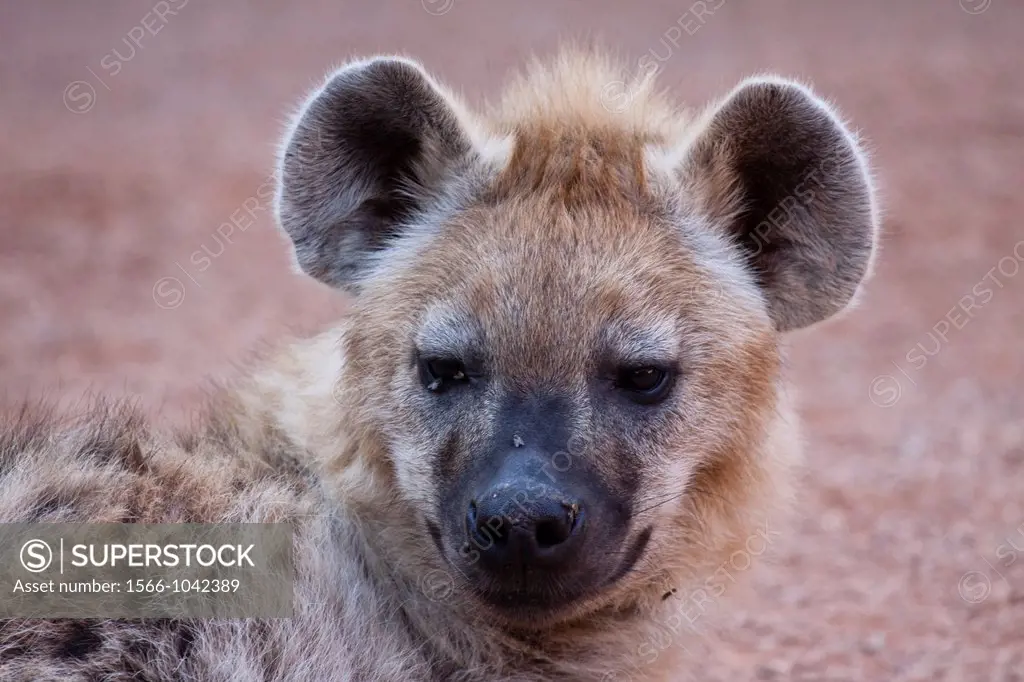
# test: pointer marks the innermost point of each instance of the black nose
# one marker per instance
(525, 525)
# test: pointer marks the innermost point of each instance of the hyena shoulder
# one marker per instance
(237, 463)
(104, 463)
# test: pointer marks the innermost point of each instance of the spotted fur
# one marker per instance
(558, 231)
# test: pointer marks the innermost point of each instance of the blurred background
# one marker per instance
(138, 258)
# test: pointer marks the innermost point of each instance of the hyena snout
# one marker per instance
(541, 530)
(521, 521)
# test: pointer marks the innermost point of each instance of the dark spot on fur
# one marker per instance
(113, 438)
(184, 639)
(133, 458)
(446, 462)
(52, 504)
(81, 639)
(137, 651)
(134, 661)
(187, 440)
(49, 506)
(435, 535)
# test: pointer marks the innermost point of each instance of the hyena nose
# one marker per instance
(511, 526)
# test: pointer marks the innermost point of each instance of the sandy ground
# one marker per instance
(116, 165)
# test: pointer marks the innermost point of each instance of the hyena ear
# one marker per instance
(368, 152)
(775, 165)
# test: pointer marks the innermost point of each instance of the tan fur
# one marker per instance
(574, 229)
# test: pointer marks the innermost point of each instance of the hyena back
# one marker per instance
(554, 412)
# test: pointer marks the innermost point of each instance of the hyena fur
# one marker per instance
(581, 295)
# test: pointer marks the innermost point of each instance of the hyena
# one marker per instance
(556, 406)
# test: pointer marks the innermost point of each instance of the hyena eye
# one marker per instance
(438, 374)
(645, 385)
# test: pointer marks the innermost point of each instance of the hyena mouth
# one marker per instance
(535, 590)
(636, 550)
(530, 555)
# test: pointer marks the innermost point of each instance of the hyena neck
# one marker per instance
(625, 640)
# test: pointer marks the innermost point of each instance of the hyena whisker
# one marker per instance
(671, 497)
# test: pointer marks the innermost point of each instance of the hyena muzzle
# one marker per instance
(555, 409)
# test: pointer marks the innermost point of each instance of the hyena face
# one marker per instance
(566, 320)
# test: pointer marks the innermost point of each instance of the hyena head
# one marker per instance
(566, 315)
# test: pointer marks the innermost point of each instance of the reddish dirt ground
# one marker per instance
(903, 563)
